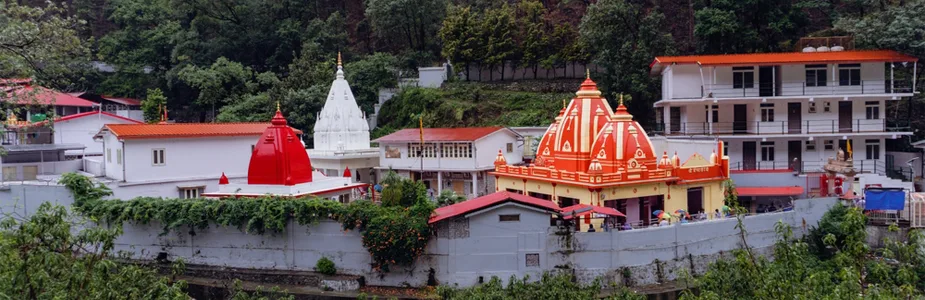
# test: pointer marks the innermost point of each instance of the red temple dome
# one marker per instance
(567, 144)
(623, 144)
(279, 157)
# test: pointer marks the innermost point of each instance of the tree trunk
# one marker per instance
(502, 70)
(467, 71)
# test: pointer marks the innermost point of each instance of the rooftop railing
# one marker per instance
(779, 127)
(802, 88)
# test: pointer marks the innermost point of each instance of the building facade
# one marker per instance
(787, 112)
(458, 159)
(594, 155)
(341, 135)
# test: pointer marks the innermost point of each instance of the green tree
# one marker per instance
(153, 105)
(624, 38)
(225, 82)
(532, 32)
(368, 75)
(44, 257)
(497, 30)
(734, 26)
(459, 36)
(412, 24)
(41, 42)
(448, 197)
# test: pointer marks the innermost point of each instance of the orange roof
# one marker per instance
(769, 190)
(439, 134)
(186, 130)
(782, 58)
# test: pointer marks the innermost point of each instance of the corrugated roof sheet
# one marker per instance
(782, 58)
(439, 134)
(185, 130)
(123, 101)
(490, 200)
(769, 190)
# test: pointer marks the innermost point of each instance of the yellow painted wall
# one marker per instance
(712, 193)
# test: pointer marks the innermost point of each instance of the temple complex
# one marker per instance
(341, 135)
(592, 154)
(280, 166)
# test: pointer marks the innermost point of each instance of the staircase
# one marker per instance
(865, 179)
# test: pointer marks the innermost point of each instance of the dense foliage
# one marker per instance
(846, 268)
(325, 266)
(393, 234)
(552, 287)
(465, 104)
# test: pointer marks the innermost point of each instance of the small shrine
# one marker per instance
(839, 166)
(280, 166)
(341, 134)
(595, 155)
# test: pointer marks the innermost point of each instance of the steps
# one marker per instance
(865, 179)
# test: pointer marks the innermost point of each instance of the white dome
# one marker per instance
(838, 48)
(822, 49)
(341, 125)
(809, 49)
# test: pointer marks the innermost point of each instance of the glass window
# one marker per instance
(767, 112)
(509, 218)
(849, 74)
(810, 145)
(190, 193)
(815, 75)
(812, 107)
(119, 156)
(873, 110)
(828, 145)
(743, 77)
(767, 151)
(159, 157)
(873, 149)
(715, 109)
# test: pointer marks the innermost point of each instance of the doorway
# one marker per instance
(794, 117)
(843, 145)
(748, 155)
(844, 116)
(694, 200)
(674, 117)
(766, 81)
(740, 118)
(795, 155)
(459, 187)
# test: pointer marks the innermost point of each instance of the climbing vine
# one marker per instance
(391, 234)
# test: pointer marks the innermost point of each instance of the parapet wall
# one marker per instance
(479, 249)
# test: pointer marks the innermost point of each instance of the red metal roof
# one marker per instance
(782, 58)
(279, 158)
(769, 190)
(26, 94)
(490, 200)
(584, 209)
(439, 134)
(123, 101)
(185, 130)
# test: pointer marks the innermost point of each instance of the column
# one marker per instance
(666, 116)
(439, 182)
(710, 117)
(475, 184)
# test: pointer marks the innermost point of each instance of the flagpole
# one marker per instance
(421, 125)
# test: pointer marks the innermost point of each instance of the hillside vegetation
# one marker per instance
(468, 105)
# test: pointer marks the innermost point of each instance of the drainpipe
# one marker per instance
(123, 161)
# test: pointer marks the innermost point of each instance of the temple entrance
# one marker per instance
(694, 200)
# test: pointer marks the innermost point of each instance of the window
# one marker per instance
(810, 146)
(510, 147)
(414, 150)
(812, 107)
(715, 109)
(873, 149)
(849, 74)
(462, 150)
(159, 157)
(767, 151)
(828, 145)
(108, 155)
(827, 107)
(509, 218)
(725, 149)
(189, 193)
(532, 260)
(767, 112)
(9, 173)
(743, 77)
(119, 156)
(815, 75)
(873, 110)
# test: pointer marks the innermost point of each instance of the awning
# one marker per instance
(578, 210)
(769, 190)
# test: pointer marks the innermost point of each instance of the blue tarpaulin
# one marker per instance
(884, 199)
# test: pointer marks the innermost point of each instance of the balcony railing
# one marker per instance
(801, 88)
(779, 127)
(875, 166)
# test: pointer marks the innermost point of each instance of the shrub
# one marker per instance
(325, 266)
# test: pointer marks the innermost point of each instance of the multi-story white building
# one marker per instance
(450, 158)
(341, 135)
(787, 111)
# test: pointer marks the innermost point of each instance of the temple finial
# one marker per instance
(339, 61)
(277, 106)
(621, 98)
(587, 73)
(563, 103)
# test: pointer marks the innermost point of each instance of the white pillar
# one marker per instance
(439, 182)
(710, 117)
(666, 115)
(475, 184)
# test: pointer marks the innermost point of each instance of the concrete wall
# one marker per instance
(464, 249)
(185, 158)
(81, 131)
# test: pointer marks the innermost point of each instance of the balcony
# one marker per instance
(873, 166)
(802, 89)
(781, 127)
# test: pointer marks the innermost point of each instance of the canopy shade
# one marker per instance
(578, 210)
